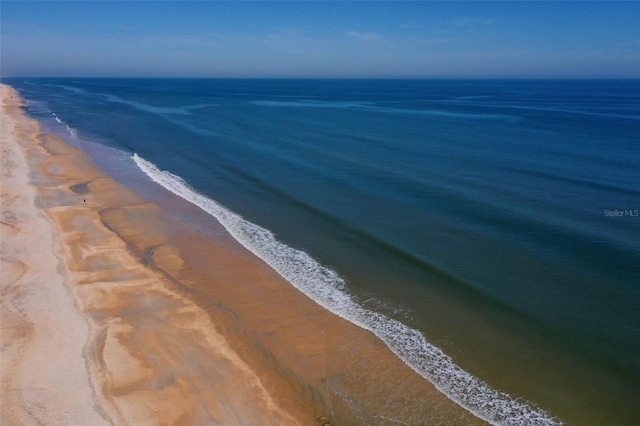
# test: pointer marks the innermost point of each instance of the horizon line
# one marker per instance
(106, 77)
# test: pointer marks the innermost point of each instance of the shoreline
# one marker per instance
(43, 367)
(189, 331)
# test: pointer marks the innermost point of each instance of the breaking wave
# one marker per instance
(327, 288)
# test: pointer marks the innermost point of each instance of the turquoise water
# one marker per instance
(498, 220)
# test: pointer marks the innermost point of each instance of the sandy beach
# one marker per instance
(44, 374)
(116, 312)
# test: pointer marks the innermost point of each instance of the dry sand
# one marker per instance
(44, 374)
(114, 311)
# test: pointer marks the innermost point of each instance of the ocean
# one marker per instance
(488, 231)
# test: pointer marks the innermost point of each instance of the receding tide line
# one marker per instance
(327, 288)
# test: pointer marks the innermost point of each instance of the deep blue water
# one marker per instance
(499, 218)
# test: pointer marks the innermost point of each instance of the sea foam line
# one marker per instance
(56, 117)
(327, 288)
(71, 130)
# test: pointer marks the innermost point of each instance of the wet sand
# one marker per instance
(155, 324)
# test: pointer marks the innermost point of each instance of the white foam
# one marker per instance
(55, 116)
(72, 132)
(327, 288)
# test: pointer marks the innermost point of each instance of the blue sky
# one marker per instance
(450, 39)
